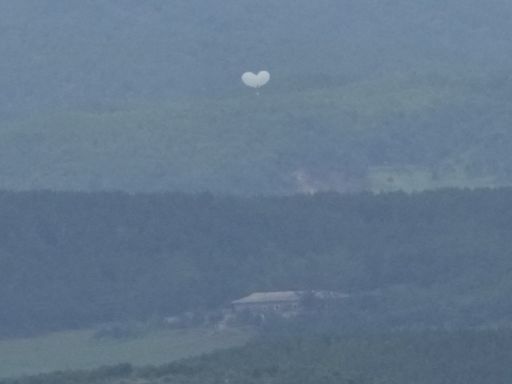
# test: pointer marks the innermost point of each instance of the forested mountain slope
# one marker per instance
(147, 96)
(432, 259)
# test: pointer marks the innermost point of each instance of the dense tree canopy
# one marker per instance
(73, 259)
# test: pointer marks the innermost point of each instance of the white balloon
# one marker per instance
(256, 81)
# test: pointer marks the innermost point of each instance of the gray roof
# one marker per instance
(265, 297)
(286, 296)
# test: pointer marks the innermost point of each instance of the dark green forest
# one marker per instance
(146, 96)
(461, 357)
(432, 259)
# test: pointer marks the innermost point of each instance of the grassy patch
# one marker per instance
(79, 350)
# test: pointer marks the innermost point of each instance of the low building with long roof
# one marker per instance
(281, 301)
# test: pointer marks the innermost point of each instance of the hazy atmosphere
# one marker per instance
(249, 192)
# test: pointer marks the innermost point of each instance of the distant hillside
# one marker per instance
(438, 259)
(95, 54)
(402, 132)
(364, 95)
